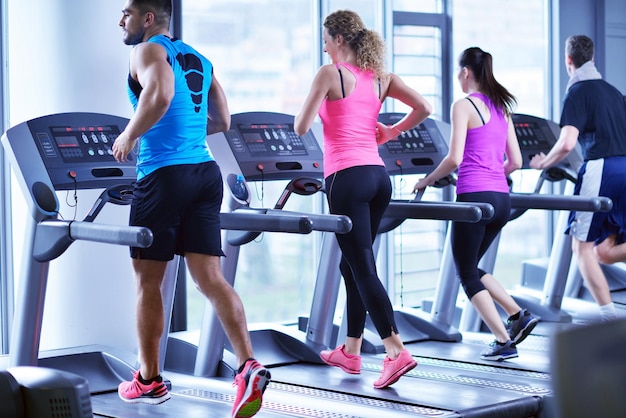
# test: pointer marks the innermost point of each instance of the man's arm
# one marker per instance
(149, 66)
(564, 145)
(219, 115)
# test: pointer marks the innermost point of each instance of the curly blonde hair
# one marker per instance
(368, 44)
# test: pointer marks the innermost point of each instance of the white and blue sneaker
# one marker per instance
(498, 351)
(520, 328)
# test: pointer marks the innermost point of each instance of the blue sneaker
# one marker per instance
(519, 329)
(498, 351)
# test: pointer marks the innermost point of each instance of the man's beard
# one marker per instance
(136, 38)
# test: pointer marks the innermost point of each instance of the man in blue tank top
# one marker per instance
(178, 194)
(594, 114)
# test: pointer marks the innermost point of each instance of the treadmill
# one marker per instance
(535, 135)
(436, 387)
(72, 151)
(533, 365)
(417, 151)
(261, 147)
(549, 301)
(64, 152)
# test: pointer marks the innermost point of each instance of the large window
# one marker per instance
(515, 33)
(262, 50)
(425, 54)
(418, 41)
(417, 58)
(265, 55)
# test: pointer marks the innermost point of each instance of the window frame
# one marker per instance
(443, 21)
(6, 255)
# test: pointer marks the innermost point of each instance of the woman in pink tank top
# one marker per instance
(482, 135)
(348, 96)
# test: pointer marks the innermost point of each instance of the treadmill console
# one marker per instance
(266, 147)
(75, 150)
(420, 149)
(79, 143)
(417, 151)
(536, 135)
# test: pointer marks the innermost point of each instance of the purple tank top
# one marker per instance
(482, 168)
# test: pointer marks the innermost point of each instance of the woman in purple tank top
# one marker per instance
(482, 135)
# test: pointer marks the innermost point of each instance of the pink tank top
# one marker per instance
(482, 168)
(350, 125)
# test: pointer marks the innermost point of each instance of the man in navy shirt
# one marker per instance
(594, 114)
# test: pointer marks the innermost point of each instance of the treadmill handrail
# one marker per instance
(252, 221)
(135, 236)
(340, 224)
(262, 220)
(54, 236)
(437, 211)
(559, 202)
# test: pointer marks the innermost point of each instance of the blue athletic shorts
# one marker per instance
(603, 177)
(181, 205)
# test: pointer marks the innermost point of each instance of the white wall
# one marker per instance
(616, 44)
(68, 56)
(605, 22)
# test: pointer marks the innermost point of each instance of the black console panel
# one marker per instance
(76, 150)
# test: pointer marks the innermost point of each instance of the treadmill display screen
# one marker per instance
(81, 144)
(531, 136)
(417, 140)
(269, 140)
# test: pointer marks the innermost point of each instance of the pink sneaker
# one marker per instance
(136, 392)
(338, 357)
(395, 369)
(251, 384)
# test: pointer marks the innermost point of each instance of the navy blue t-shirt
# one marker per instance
(598, 111)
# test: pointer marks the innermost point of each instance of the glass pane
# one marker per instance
(426, 31)
(422, 6)
(367, 9)
(514, 33)
(416, 65)
(262, 50)
(417, 59)
(416, 46)
(263, 56)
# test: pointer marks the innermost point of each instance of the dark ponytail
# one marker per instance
(480, 64)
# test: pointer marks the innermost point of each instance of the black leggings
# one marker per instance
(470, 241)
(362, 193)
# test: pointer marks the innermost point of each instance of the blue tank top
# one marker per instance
(180, 136)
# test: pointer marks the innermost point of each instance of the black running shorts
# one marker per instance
(181, 205)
